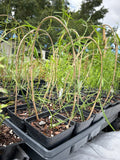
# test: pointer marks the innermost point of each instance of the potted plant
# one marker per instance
(55, 80)
(75, 81)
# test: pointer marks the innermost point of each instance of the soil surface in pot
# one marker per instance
(110, 100)
(52, 106)
(23, 114)
(76, 117)
(19, 102)
(7, 136)
(95, 111)
(116, 97)
(44, 126)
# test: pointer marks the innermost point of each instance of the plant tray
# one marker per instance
(13, 151)
(112, 110)
(79, 125)
(65, 149)
(48, 142)
(15, 119)
(62, 151)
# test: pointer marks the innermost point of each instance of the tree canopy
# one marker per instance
(33, 11)
(89, 13)
(88, 10)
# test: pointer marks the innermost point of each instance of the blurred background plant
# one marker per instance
(4, 91)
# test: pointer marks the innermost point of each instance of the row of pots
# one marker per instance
(74, 129)
(76, 135)
(63, 150)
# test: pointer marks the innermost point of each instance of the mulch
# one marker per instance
(7, 136)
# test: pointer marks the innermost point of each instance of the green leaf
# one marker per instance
(3, 106)
(2, 90)
(29, 25)
(59, 122)
(1, 66)
(107, 118)
(1, 58)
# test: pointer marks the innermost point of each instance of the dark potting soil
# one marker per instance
(7, 136)
(10, 102)
(23, 114)
(44, 126)
(116, 97)
(76, 117)
(95, 111)
(52, 106)
(112, 100)
(102, 100)
(19, 102)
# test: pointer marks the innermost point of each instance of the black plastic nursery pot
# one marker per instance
(113, 109)
(48, 142)
(10, 100)
(115, 124)
(13, 152)
(97, 114)
(39, 84)
(110, 110)
(117, 96)
(110, 119)
(113, 101)
(6, 98)
(79, 125)
(25, 111)
(63, 150)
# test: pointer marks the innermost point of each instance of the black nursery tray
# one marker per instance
(79, 125)
(112, 110)
(16, 119)
(48, 142)
(13, 151)
(7, 98)
(62, 151)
